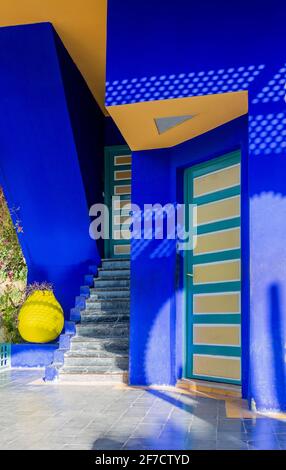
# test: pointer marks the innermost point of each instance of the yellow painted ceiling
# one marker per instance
(81, 24)
(136, 121)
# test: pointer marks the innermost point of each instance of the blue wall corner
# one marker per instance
(45, 153)
(215, 47)
(32, 355)
(157, 315)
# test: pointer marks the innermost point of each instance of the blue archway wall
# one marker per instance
(157, 299)
(194, 48)
(51, 156)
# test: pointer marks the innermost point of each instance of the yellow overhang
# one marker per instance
(81, 26)
(137, 121)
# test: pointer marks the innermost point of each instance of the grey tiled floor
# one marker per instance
(96, 417)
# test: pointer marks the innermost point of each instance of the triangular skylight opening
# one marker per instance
(166, 123)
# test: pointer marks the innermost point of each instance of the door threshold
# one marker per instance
(210, 387)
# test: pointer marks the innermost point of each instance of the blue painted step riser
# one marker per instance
(84, 291)
(70, 328)
(59, 356)
(51, 374)
(65, 341)
(93, 270)
(80, 302)
(75, 315)
(88, 280)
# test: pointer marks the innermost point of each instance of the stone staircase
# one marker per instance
(99, 349)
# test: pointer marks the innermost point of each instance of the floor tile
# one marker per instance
(82, 418)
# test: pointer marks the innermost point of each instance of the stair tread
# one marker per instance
(125, 269)
(110, 289)
(118, 324)
(114, 299)
(115, 259)
(99, 355)
(105, 315)
(101, 344)
(95, 311)
(114, 278)
(93, 369)
(104, 319)
(109, 338)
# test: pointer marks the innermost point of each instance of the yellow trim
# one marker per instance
(122, 219)
(81, 26)
(219, 210)
(137, 125)
(122, 160)
(227, 335)
(217, 366)
(217, 272)
(123, 204)
(122, 175)
(121, 235)
(218, 241)
(121, 190)
(217, 180)
(216, 303)
(122, 249)
(238, 409)
(217, 391)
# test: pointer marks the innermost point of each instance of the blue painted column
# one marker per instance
(41, 152)
(267, 169)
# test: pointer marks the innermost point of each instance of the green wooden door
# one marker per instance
(118, 185)
(213, 272)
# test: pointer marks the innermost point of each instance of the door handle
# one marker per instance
(189, 274)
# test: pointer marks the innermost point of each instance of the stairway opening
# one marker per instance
(100, 347)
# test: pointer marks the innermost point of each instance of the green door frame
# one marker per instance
(199, 169)
(109, 153)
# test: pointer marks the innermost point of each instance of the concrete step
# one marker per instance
(92, 370)
(114, 273)
(94, 353)
(84, 345)
(103, 330)
(115, 263)
(116, 283)
(99, 294)
(105, 318)
(117, 304)
(109, 311)
(89, 361)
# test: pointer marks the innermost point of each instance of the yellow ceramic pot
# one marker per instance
(41, 317)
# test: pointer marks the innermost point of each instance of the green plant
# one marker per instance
(10, 301)
(13, 272)
(43, 286)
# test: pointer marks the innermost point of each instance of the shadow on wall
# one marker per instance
(268, 293)
(277, 326)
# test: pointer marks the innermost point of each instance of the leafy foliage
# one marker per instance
(43, 286)
(13, 272)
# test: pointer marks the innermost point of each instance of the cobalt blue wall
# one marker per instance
(156, 324)
(197, 48)
(32, 355)
(42, 150)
